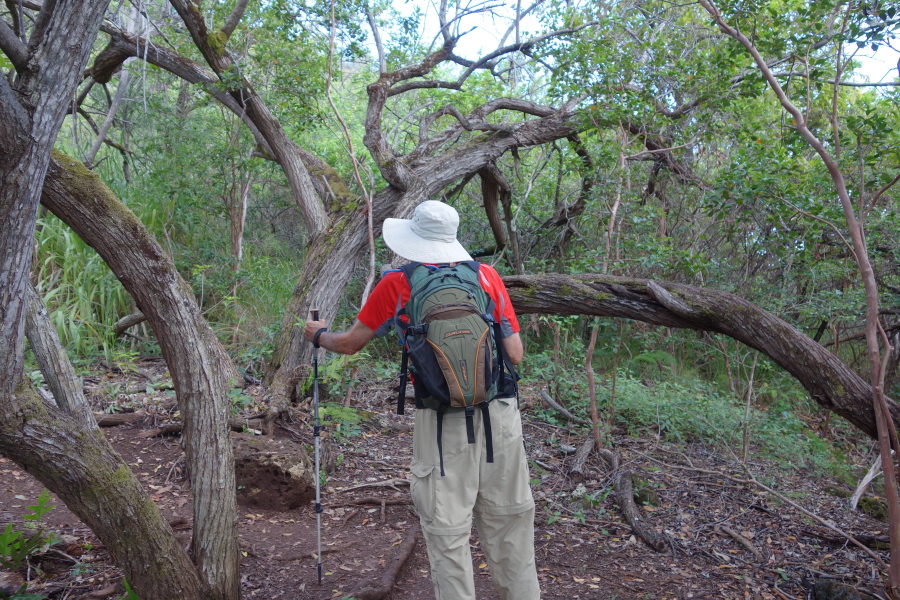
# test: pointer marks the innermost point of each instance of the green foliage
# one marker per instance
(17, 545)
(239, 400)
(129, 593)
(39, 508)
(346, 420)
(690, 410)
(337, 374)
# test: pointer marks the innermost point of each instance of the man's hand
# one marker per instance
(309, 331)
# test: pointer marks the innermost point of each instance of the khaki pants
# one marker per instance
(497, 494)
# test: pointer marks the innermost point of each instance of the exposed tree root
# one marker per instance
(878, 542)
(237, 425)
(381, 588)
(346, 520)
(625, 498)
(116, 419)
(312, 553)
(391, 483)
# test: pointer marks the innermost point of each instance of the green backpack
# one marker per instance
(453, 342)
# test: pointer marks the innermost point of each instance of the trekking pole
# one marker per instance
(316, 430)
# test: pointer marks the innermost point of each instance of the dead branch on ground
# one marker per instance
(625, 498)
(753, 481)
(743, 541)
(391, 483)
(576, 471)
(376, 590)
(374, 500)
(116, 419)
(561, 409)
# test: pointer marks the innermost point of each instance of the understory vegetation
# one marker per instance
(736, 203)
(640, 139)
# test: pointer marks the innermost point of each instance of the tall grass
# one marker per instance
(83, 297)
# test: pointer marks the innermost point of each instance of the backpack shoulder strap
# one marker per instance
(472, 264)
(408, 269)
(400, 326)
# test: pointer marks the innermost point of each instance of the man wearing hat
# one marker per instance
(496, 494)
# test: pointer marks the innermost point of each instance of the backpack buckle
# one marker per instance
(420, 329)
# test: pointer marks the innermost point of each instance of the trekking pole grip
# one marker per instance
(315, 317)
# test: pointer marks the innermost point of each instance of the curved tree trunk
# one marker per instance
(828, 380)
(329, 265)
(73, 460)
(201, 370)
(86, 473)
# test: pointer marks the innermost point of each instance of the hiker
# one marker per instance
(466, 462)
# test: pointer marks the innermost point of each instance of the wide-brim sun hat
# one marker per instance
(428, 237)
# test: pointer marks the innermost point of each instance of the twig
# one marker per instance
(743, 541)
(386, 483)
(752, 480)
(555, 405)
(173, 467)
(346, 520)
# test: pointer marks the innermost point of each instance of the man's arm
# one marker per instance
(344, 342)
(512, 346)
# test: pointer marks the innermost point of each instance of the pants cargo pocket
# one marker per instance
(422, 489)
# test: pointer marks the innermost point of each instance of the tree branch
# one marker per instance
(830, 382)
(41, 25)
(12, 46)
(234, 18)
(14, 133)
(379, 45)
(493, 184)
(474, 121)
(246, 105)
(53, 362)
(486, 61)
(565, 213)
(18, 19)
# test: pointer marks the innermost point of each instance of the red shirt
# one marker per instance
(392, 292)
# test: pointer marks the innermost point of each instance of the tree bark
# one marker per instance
(625, 498)
(200, 367)
(53, 362)
(829, 381)
(71, 459)
(89, 476)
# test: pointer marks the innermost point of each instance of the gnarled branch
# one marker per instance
(829, 381)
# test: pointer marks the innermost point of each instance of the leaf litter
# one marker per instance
(726, 540)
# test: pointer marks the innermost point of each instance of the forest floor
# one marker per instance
(585, 548)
